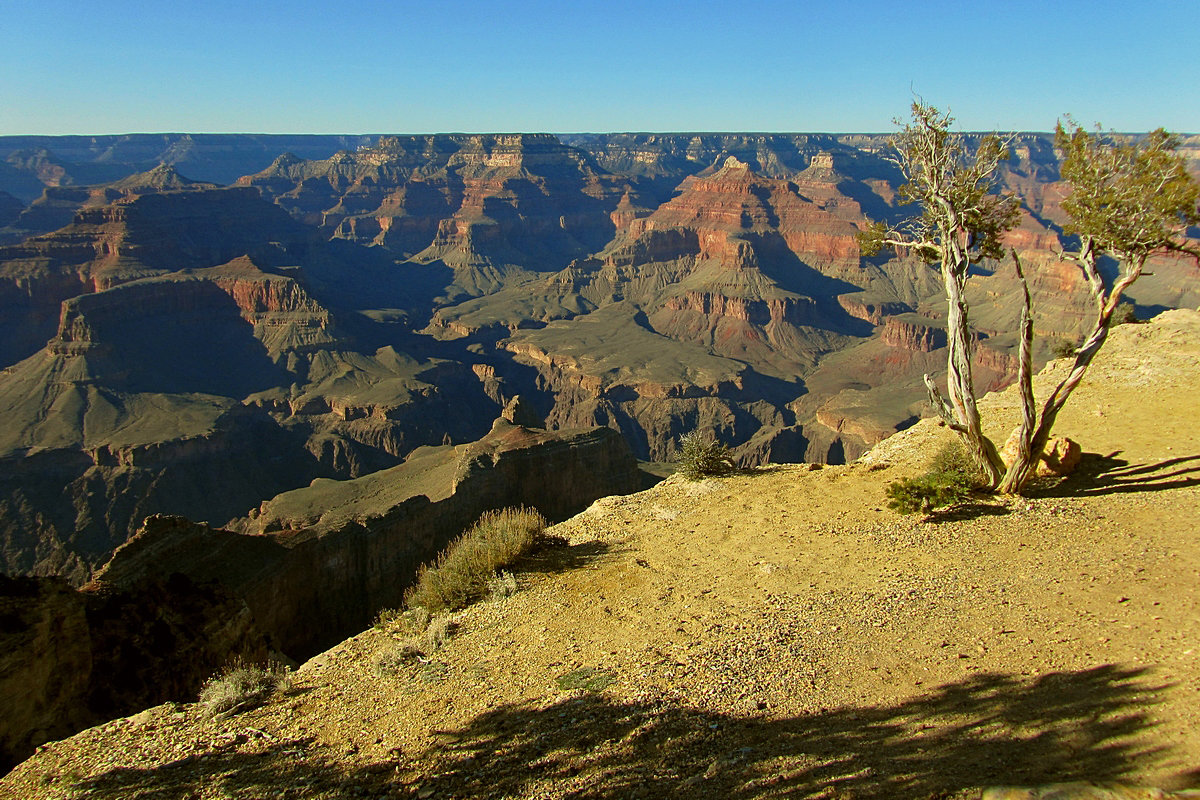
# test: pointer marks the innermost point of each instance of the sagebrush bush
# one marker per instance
(441, 630)
(698, 457)
(417, 646)
(951, 478)
(1063, 348)
(461, 573)
(952, 459)
(395, 620)
(243, 684)
(501, 585)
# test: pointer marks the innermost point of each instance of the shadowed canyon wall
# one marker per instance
(175, 346)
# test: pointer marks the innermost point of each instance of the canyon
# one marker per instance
(249, 384)
(195, 324)
(304, 571)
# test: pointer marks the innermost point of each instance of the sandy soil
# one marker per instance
(775, 633)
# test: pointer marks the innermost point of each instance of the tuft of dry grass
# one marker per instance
(501, 585)
(241, 684)
(441, 630)
(409, 622)
(462, 573)
(418, 645)
(392, 662)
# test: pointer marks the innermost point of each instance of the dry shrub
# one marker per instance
(461, 574)
(698, 457)
(418, 645)
(392, 662)
(242, 684)
(501, 585)
(395, 620)
(441, 629)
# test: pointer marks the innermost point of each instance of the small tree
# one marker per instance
(1130, 199)
(963, 220)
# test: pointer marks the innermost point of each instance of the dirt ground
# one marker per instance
(777, 633)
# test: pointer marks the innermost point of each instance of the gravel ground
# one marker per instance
(776, 633)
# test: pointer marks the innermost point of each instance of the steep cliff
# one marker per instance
(131, 237)
(739, 272)
(318, 563)
(334, 312)
(483, 205)
(73, 658)
(310, 568)
(176, 382)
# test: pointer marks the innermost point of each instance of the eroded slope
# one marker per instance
(777, 633)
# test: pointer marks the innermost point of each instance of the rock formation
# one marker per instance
(309, 568)
(316, 563)
(72, 658)
(343, 306)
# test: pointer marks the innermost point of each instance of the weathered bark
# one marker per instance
(1106, 305)
(1025, 459)
(961, 408)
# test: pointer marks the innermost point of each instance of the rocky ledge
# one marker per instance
(303, 572)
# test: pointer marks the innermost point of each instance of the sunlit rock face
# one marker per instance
(170, 345)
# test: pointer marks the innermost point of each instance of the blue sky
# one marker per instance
(118, 66)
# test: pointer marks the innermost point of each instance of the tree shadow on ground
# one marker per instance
(966, 511)
(1107, 474)
(988, 729)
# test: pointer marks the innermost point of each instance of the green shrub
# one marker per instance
(241, 684)
(951, 478)
(927, 492)
(1063, 348)
(698, 457)
(460, 575)
(952, 459)
(1125, 314)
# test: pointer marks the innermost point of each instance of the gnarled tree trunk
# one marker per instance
(961, 413)
(1106, 304)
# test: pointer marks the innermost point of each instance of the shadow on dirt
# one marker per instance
(987, 729)
(563, 558)
(1107, 474)
(966, 511)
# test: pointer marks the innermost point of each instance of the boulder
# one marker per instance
(1059, 458)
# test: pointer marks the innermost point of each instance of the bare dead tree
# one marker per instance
(963, 220)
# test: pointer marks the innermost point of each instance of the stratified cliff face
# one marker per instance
(317, 564)
(73, 658)
(704, 313)
(179, 599)
(182, 348)
(59, 204)
(484, 205)
(146, 231)
(33, 162)
(174, 381)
